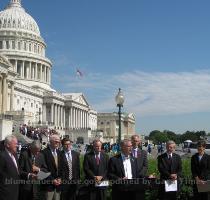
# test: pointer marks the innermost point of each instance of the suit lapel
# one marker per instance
(133, 167)
(121, 165)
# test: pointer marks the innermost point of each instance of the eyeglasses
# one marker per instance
(67, 144)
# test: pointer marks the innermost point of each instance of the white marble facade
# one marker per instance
(25, 80)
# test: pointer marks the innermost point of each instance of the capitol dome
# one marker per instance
(15, 17)
(22, 44)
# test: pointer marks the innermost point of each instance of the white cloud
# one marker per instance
(147, 94)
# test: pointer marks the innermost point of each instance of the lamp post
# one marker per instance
(119, 101)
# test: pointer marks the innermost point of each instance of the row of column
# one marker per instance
(4, 93)
(32, 70)
(77, 118)
(58, 115)
(73, 118)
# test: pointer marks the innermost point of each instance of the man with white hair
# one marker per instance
(9, 172)
(51, 156)
(170, 168)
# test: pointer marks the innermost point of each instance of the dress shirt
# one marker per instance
(127, 166)
(200, 157)
(135, 152)
(68, 155)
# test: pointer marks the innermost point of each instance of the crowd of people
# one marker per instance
(22, 178)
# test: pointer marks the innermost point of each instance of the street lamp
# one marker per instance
(119, 100)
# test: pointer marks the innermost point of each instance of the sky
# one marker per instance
(156, 51)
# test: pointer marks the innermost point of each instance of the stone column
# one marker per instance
(30, 75)
(4, 93)
(16, 62)
(64, 117)
(44, 113)
(73, 118)
(40, 72)
(52, 113)
(56, 115)
(45, 75)
(12, 96)
(1, 92)
(35, 73)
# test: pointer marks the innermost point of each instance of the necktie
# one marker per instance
(70, 166)
(55, 158)
(97, 159)
(169, 159)
(14, 161)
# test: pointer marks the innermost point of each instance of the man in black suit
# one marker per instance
(9, 172)
(170, 168)
(28, 164)
(200, 167)
(123, 167)
(142, 161)
(96, 167)
(69, 171)
(51, 157)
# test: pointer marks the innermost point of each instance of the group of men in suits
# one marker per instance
(64, 167)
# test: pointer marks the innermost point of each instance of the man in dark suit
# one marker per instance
(28, 164)
(170, 168)
(123, 167)
(200, 167)
(51, 157)
(142, 161)
(96, 167)
(9, 172)
(69, 171)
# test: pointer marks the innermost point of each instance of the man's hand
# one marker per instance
(199, 181)
(35, 168)
(32, 176)
(98, 178)
(173, 177)
(57, 181)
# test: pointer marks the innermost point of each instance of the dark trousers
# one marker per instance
(98, 193)
(199, 195)
(69, 192)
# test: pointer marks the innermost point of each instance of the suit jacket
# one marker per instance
(49, 166)
(166, 169)
(91, 168)
(142, 163)
(25, 166)
(116, 168)
(64, 169)
(8, 175)
(200, 168)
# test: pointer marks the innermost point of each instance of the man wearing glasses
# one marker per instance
(51, 187)
(69, 170)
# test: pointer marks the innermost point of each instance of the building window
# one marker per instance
(18, 101)
(102, 123)
(1, 44)
(7, 44)
(32, 105)
(13, 44)
(108, 123)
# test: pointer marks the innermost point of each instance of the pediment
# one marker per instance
(81, 100)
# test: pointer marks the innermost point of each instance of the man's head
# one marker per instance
(201, 146)
(66, 144)
(170, 146)
(11, 143)
(97, 144)
(35, 147)
(54, 141)
(126, 146)
(135, 140)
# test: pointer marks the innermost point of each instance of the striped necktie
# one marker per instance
(70, 166)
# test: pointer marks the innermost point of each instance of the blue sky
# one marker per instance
(157, 51)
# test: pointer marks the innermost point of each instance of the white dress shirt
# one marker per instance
(127, 166)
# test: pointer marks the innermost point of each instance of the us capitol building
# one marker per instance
(25, 80)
